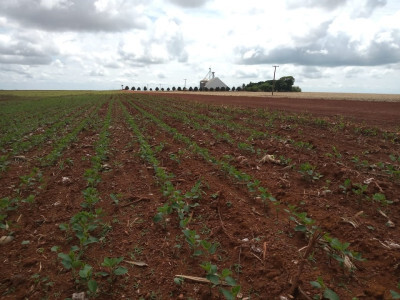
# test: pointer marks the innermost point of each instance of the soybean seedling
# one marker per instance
(327, 293)
(112, 264)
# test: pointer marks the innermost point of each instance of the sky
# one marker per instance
(326, 45)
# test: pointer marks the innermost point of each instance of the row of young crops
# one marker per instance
(140, 196)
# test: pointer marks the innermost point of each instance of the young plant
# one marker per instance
(86, 274)
(346, 187)
(308, 172)
(217, 279)
(326, 292)
(112, 265)
(196, 243)
(91, 196)
(71, 261)
(381, 198)
(82, 224)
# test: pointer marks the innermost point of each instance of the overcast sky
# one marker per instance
(327, 45)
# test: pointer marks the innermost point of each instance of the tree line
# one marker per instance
(283, 84)
(190, 89)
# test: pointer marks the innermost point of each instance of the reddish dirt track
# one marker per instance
(374, 113)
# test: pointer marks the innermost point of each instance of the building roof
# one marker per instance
(214, 83)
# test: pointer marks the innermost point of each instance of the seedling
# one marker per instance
(71, 261)
(86, 274)
(346, 187)
(91, 196)
(308, 172)
(82, 223)
(112, 264)
(225, 276)
(327, 293)
(196, 243)
(359, 189)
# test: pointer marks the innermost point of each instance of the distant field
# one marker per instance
(4, 94)
(314, 95)
(303, 95)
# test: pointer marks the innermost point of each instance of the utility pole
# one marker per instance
(273, 83)
(185, 83)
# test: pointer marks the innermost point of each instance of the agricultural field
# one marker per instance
(126, 195)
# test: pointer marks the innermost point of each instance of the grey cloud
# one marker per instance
(244, 74)
(330, 51)
(312, 72)
(325, 4)
(97, 73)
(20, 70)
(369, 7)
(189, 3)
(74, 16)
(176, 47)
(316, 33)
(24, 52)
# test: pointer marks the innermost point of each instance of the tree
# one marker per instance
(145, 88)
(173, 88)
(151, 89)
(179, 88)
(162, 89)
(211, 89)
(217, 89)
(157, 89)
(126, 88)
(133, 88)
(138, 88)
(233, 89)
(296, 89)
(168, 89)
(190, 89)
(238, 89)
(227, 89)
(206, 89)
(196, 89)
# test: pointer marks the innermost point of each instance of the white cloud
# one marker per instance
(325, 44)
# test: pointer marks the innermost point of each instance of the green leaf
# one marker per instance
(227, 294)
(55, 248)
(25, 242)
(229, 280)
(178, 280)
(158, 218)
(120, 271)
(63, 226)
(300, 228)
(197, 252)
(213, 278)
(65, 260)
(74, 248)
(213, 248)
(226, 272)
(86, 272)
(315, 284)
(103, 274)
(395, 295)
(235, 290)
(92, 285)
(331, 295)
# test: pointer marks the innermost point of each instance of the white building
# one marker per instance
(212, 82)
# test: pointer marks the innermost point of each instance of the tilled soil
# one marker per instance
(257, 240)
